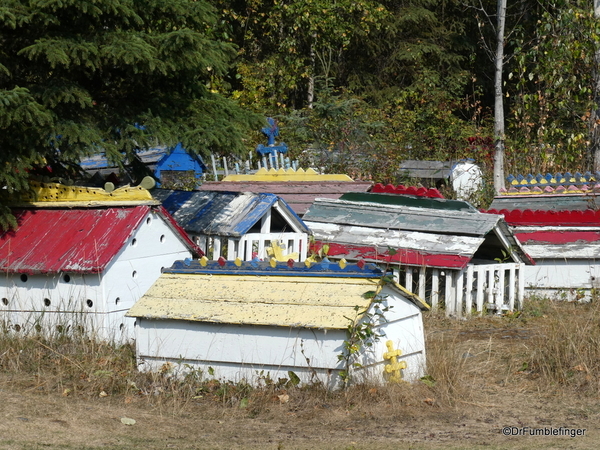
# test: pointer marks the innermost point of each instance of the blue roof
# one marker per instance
(223, 213)
(179, 159)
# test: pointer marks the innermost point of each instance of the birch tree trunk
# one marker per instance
(594, 132)
(499, 100)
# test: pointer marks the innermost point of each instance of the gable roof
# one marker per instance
(85, 240)
(178, 158)
(425, 231)
(223, 213)
(255, 293)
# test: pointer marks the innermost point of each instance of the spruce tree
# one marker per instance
(83, 76)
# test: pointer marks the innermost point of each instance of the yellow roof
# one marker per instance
(60, 195)
(310, 302)
(288, 175)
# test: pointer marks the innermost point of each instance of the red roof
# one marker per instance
(73, 240)
(406, 190)
(588, 217)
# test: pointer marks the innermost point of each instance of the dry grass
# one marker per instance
(550, 346)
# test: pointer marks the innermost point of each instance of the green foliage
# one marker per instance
(77, 77)
(362, 332)
(554, 89)
(284, 44)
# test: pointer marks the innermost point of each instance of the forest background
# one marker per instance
(356, 85)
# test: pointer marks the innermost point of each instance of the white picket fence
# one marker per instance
(253, 245)
(477, 288)
(251, 165)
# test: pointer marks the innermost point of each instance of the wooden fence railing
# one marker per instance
(477, 288)
(282, 246)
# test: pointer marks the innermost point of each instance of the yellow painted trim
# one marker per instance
(287, 175)
(55, 194)
(412, 295)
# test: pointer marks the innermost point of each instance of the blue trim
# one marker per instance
(323, 269)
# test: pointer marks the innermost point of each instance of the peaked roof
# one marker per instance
(178, 158)
(223, 213)
(73, 240)
(420, 231)
(255, 293)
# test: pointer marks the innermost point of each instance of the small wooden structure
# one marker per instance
(81, 257)
(556, 218)
(444, 250)
(238, 224)
(179, 169)
(252, 320)
(298, 188)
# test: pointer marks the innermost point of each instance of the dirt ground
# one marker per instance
(498, 394)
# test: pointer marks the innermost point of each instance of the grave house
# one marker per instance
(444, 250)
(298, 187)
(236, 321)
(81, 257)
(238, 224)
(556, 218)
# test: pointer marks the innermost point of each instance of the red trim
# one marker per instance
(172, 223)
(410, 190)
(558, 237)
(403, 256)
(588, 217)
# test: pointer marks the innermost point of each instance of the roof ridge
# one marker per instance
(400, 189)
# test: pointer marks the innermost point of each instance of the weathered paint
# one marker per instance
(392, 216)
(60, 195)
(402, 256)
(570, 202)
(441, 238)
(241, 324)
(299, 195)
(69, 240)
(275, 175)
(223, 213)
(94, 297)
(251, 300)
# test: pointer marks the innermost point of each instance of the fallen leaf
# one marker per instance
(103, 394)
(127, 421)
(429, 401)
(283, 398)
(66, 392)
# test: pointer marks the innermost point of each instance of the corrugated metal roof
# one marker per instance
(222, 213)
(70, 240)
(299, 195)
(256, 300)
